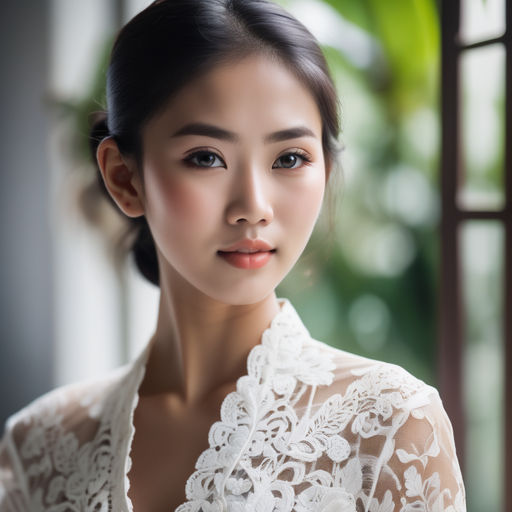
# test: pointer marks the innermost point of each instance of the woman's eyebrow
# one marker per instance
(216, 132)
(289, 133)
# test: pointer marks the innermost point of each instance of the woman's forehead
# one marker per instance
(252, 94)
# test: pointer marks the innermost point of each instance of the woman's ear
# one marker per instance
(121, 178)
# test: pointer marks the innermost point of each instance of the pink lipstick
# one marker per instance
(248, 254)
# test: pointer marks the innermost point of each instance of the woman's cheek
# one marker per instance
(179, 201)
(303, 203)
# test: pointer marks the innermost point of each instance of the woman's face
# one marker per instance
(235, 156)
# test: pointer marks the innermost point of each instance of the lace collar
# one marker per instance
(279, 371)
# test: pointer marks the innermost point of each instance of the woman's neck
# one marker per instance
(201, 345)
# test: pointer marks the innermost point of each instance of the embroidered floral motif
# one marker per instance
(427, 493)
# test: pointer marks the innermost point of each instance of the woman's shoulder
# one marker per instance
(62, 400)
(392, 427)
(91, 398)
(372, 386)
(75, 409)
(335, 370)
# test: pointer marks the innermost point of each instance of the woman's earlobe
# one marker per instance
(120, 178)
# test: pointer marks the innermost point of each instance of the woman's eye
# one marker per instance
(291, 161)
(205, 159)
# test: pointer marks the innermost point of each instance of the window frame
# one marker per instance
(451, 330)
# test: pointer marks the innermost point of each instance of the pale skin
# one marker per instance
(211, 313)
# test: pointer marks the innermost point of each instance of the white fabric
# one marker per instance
(309, 428)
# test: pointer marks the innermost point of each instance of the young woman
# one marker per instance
(218, 142)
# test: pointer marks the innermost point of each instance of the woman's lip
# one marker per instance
(246, 260)
(249, 245)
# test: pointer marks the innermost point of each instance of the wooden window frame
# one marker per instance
(451, 335)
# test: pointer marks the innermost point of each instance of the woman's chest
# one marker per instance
(164, 451)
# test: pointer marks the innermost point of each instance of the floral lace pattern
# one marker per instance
(309, 428)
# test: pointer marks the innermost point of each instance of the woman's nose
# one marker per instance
(250, 199)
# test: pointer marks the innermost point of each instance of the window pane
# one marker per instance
(483, 283)
(481, 20)
(482, 128)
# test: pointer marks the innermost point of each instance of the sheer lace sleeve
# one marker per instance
(422, 471)
(12, 484)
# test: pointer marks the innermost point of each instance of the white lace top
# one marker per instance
(309, 428)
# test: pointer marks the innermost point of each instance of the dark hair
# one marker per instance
(172, 41)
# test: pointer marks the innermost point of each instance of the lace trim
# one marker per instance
(139, 375)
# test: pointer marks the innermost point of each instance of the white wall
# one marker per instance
(26, 264)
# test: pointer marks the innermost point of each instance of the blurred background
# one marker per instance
(369, 281)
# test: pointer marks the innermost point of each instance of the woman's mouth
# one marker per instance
(247, 258)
